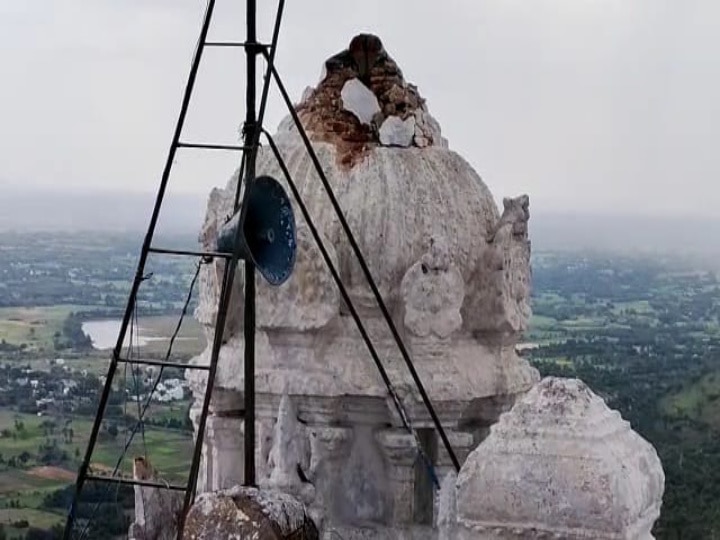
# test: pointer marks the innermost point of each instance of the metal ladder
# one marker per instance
(252, 131)
(251, 134)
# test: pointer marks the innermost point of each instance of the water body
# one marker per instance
(104, 334)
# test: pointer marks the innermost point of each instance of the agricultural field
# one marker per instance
(52, 371)
(28, 442)
(643, 333)
(38, 329)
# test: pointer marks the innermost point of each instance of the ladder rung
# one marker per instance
(235, 44)
(133, 482)
(210, 254)
(163, 363)
(203, 146)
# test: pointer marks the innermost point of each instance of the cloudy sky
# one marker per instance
(603, 105)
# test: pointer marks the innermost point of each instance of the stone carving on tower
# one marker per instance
(560, 464)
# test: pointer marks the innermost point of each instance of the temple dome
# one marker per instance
(399, 185)
(395, 200)
(560, 464)
(452, 270)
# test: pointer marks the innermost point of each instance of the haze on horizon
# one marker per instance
(604, 106)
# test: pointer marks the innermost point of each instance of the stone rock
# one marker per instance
(502, 302)
(560, 464)
(397, 132)
(290, 452)
(447, 507)
(359, 100)
(248, 513)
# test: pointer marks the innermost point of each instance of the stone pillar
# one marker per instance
(400, 450)
(264, 430)
(462, 444)
(225, 452)
(203, 471)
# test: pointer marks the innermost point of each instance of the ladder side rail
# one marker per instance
(140, 268)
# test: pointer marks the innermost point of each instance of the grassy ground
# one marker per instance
(34, 326)
(700, 401)
(170, 451)
(190, 340)
(37, 518)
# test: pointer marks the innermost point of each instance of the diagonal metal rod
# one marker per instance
(366, 271)
(351, 306)
(82, 473)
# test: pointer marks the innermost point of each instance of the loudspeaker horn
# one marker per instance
(268, 233)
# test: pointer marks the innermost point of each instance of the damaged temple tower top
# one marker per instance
(453, 272)
(455, 275)
(363, 101)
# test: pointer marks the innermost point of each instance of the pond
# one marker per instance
(104, 334)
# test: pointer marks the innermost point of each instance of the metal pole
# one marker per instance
(251, 52)
(82, 473)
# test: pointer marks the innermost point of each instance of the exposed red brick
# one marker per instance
(323, 116)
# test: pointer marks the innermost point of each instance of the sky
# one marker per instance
(599, 106)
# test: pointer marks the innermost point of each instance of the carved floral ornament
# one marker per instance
(433, 291)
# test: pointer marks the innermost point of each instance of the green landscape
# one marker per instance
(51, 374)
(643, 332)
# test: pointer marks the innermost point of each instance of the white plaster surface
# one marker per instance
(455, 275)
(397, 132)
(563, 465)
(359, 100)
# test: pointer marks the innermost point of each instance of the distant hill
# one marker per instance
(648, 235)
(56, 210)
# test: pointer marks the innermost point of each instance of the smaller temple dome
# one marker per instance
(560, 464)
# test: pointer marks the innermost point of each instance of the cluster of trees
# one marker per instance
(47, 270)
(74, 336)
(107, 508)
(33, 533)
(638, 364)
